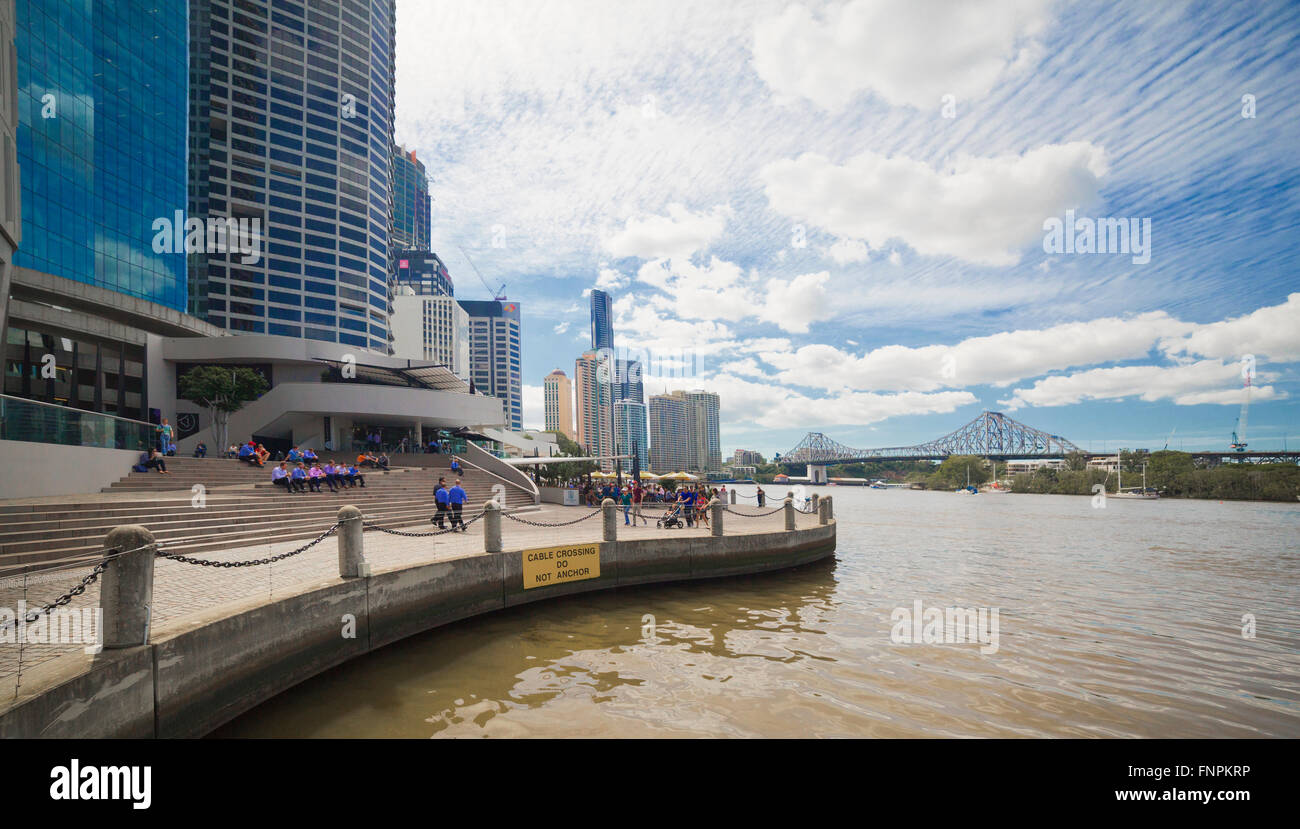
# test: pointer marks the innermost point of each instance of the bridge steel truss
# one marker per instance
(992, 434)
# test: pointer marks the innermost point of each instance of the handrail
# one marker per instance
(531, 487)
(75, 409)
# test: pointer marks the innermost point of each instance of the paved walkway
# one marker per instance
(184, 589)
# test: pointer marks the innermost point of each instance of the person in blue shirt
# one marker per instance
(457, 498)
(455, 466)
(245, 453)
(440, 498)
(309, 455)
(356, 477)
(298, 478)
(280, 477)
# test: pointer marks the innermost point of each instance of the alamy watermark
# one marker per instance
(1104, 235)
(61, 626)
(636, 364)
(945, 626)
(176, 234)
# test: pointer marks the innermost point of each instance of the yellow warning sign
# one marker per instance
(555, 565)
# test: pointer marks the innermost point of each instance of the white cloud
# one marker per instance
(560, 328)
(773, 407)
(982, 210)
(848, 251)
(909, 52)
(1273, 331)
(534, 416)
(1205, 381)
(679, 234)
(795, 304)
(610, 280)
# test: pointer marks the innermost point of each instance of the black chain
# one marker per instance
(203, 562)
(753, 515)
(452, 529)
(66, 597)
(592, 514)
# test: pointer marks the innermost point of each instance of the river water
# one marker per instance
(1126, 621)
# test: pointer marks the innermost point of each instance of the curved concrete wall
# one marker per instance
(200, 672)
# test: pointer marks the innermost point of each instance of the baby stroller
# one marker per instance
(671, 519)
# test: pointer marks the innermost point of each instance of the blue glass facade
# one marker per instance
(102, 94)
(293, 103)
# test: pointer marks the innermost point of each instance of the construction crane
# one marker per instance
(1239, 436)
(500, 293)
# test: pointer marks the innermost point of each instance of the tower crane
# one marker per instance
(500, 293)
(1239, 436)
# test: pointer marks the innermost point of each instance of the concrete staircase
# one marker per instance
(242, 508)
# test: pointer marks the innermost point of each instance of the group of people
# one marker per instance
(449, 501)
(302, 477)
(687, 503)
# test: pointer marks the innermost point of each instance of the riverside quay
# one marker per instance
(189, 642)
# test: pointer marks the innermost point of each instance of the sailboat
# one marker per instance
(968, 489)
(1134, 494)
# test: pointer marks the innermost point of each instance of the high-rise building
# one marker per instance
(602, 320)
(684, 431)
(11, 217)
(495, 355)
(433, 328)
(592, 396)
(294, 103)
(101, 143)
(557, 394)
(670, 427)
(100, 127)
(747, 457)
(424, 271)
(410, 203)
(630, 421)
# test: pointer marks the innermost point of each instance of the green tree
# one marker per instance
(1076, 461)
(952, 473)
(556, 473)
(223, 391)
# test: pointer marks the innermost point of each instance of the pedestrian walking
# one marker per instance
(457, 498)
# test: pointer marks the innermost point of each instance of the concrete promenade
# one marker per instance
(188, 597)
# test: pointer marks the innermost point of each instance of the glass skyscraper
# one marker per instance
(602, 320)
(102, 90)
(495, 355)
(299, 134)
(410, 202)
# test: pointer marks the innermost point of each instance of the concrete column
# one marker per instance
(352, 559)
(822, 509)
(816, 499)
(733, 497)
(830, 507)
(126, 588)
(789, 513)
(610, 517)
(492, 527)
(716, 518)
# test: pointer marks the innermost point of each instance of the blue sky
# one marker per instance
(834, 212)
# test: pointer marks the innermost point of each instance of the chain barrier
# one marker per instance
(64, 599)
(463, 523)
(203, 562)
(594, 512)
(754, 515)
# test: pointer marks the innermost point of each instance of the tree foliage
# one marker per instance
(222, 390)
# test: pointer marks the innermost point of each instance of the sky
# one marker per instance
(851, 217)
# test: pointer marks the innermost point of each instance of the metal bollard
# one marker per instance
(352, 558)
(718, 509)
(610, 517)
(126, 592)
(789, 513)
(492, 527)
(733, 497)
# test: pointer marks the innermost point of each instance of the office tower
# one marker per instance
(410, 203)
(630, 432)
(592, 396)
(557, 392)
(101, 143)
(100, 140)
(294, 103)
(602, 320)
(495, 355)
(431, 328)
(424, 271)
(11, 218)
(670, 428)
